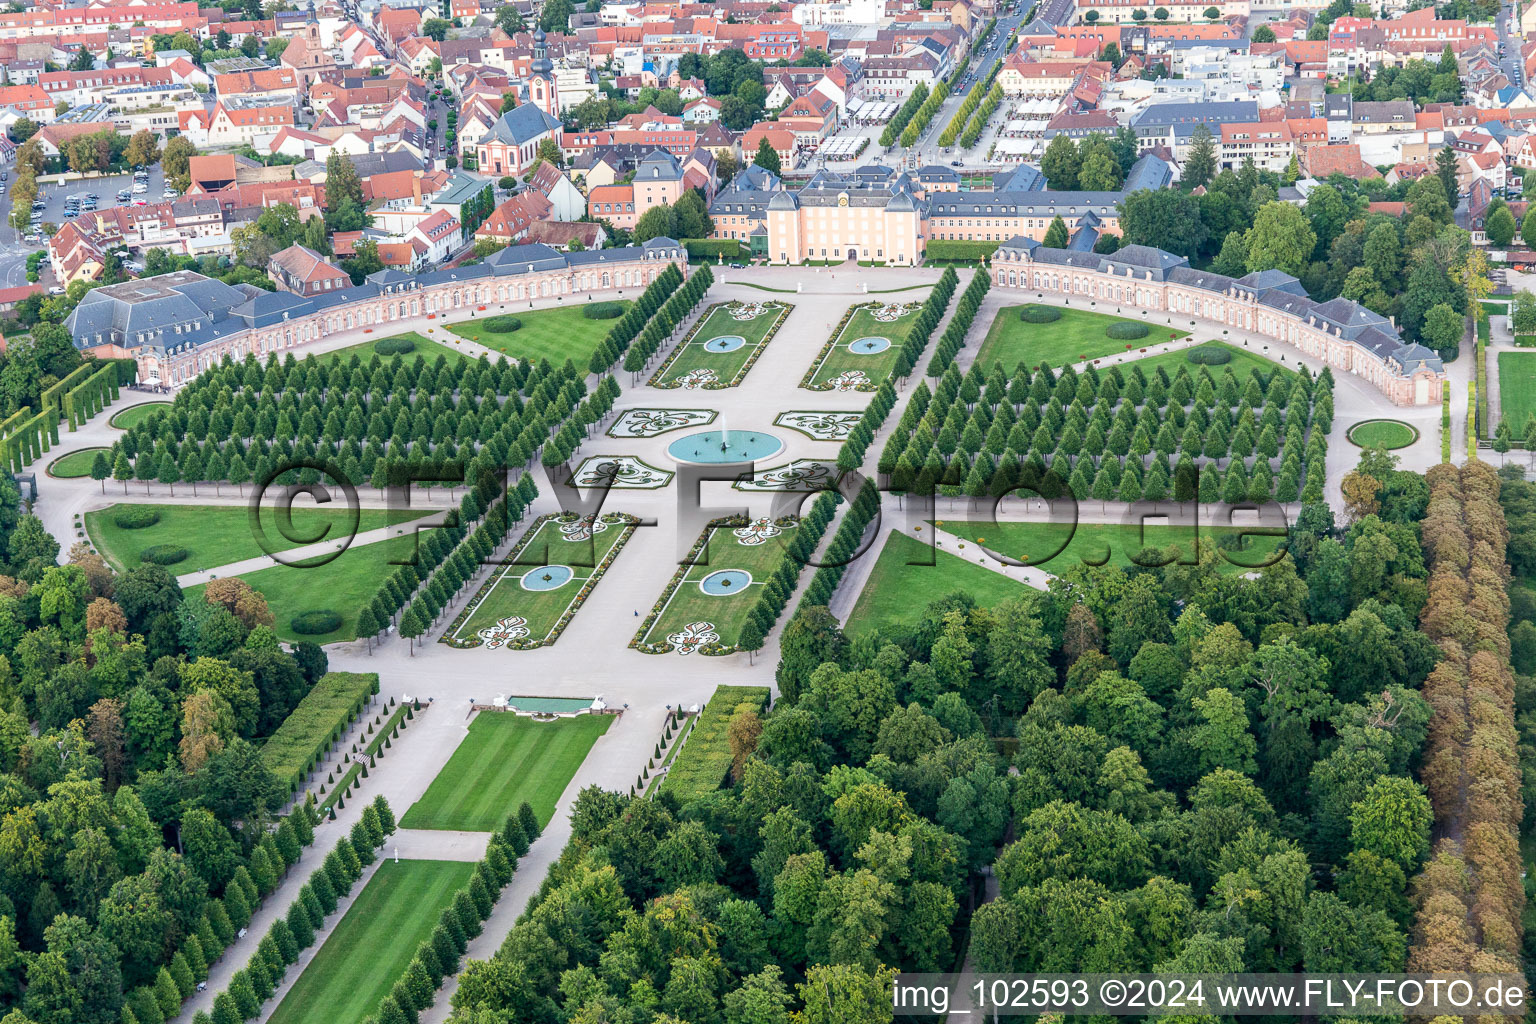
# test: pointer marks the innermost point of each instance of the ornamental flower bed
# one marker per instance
(461, 643)
(658, 379)
(714, 649)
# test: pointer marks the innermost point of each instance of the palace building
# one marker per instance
(1342, 334)
(178, 325)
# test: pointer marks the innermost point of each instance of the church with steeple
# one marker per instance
(542, 90)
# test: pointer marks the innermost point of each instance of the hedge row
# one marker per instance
(957, 123)
(965, 314)
(927, 319)
(701, 765)
(221, 921)
(714, 248)
(318, 721)
(439, 955)
(780, 585)
(844, 547)
(851, 455)
(972, 133)
(674, 312)
(90, 396)
(634, 319)
(318, 898)
(31, 439)
(959, 249)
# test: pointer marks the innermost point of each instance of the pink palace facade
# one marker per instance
(1342, 334)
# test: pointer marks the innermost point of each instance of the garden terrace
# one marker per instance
(566, 332)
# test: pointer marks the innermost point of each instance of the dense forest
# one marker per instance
(1167, 769)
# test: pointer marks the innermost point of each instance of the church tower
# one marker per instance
(542, 91)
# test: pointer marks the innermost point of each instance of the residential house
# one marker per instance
(303, 271)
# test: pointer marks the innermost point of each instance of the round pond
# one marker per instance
(721, 446)
(551, 577)
(725, 343)
(869, 346)
(725, 582)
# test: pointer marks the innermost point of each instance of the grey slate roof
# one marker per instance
(521, 124)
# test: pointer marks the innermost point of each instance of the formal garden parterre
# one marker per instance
(734, 582)
(528, 600)
(722, 346)
(865, 348)
(1116, 435)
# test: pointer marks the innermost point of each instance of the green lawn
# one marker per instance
(541, 609)
(505, 760)
(555, 334)
(425, 347)
(1240, 364)
(845, 355)
(1388, 434)
(697, 352)
(342, 585)
(1079, 334)
(726, 612)
(74, 464)
(135, 415)
(374, 943)
(896, 592)
(217, 535)
(1517, 388)
(1054, 547)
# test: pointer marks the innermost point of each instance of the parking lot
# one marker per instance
(56, 195)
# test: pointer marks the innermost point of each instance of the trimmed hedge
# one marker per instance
(1033, 314)
(603, 310)
(321, 620)
(1208, 355)
(503, 324)
(958, 249)
(395, 346)
(164, 554)
(716, 248)
(701, 765)
(317, 722)
(1126, 331)
(136, 517)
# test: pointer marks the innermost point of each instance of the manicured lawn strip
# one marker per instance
(555, 334)
(425, 347)
(706, 756)
(216, 535)
(506, 759)
(691, 354)
(727, 612)
(374, 943)
(1517, 388)
(342, 585)
(1240, 364)
(75, 464)
(896, 593)
(542, 609)
(1077, 335)
(1388, 434)
(862, 324)
(133, 416)
(316, 723)
(1095, 543)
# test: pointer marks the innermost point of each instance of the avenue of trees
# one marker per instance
(1115, 436)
